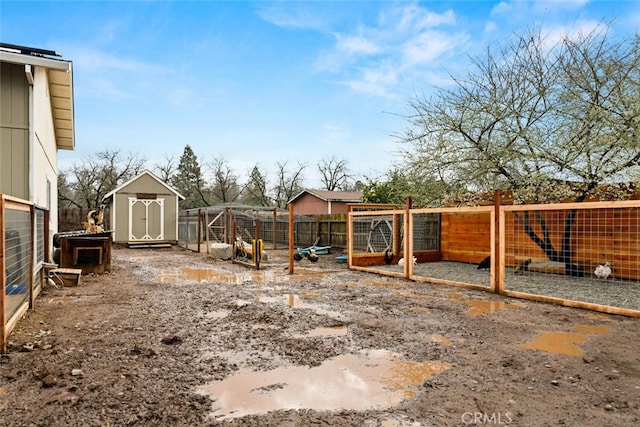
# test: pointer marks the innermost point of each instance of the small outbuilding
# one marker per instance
(144, 210)
(324, 202)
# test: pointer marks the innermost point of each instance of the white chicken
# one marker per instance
(603, 271)
(401, 261)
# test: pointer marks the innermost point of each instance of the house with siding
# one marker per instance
(36, 120)
(324, 202)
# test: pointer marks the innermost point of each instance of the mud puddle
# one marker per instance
(371, 379)
(299, 301)
(479, 307)
(330, 331)
(206, 275)
(566, 343)
(218, 314)
(440, 339)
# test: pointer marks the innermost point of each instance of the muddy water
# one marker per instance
(479, 307)
(372, 379)
(441, 339)
(218, 314)
(409, 294)
(299, 301)
(331, 331)
(204, 275)
(567, 343)
(380, 283)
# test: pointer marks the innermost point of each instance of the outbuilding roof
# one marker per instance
(135, 178)
(332, 196)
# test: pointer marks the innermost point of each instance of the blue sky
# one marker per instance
(260, 82)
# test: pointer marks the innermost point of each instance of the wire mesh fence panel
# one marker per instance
(426, 231)
(372, 233)
(217, 225)
(187, 230)
(450, 245)
(18, 235)
(587, 253)
(376, 240)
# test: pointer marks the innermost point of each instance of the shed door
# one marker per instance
(146, 219)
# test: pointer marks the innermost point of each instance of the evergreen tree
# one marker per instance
(255, 192)
(189, 181)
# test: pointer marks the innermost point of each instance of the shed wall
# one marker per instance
(145, 184)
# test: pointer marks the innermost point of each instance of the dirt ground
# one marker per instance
(175, 338)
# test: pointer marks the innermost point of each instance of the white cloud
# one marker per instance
(490, 27)
(555, 34)
(412, 17)
(403, 41)
(356, 45)
(289, 16)
(426, 47)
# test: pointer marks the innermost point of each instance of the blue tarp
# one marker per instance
(15, 289)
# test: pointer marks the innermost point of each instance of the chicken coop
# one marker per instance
(216, 224)
(576, 254)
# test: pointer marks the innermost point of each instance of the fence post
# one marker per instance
(274, 229)
(496, 259)
(408, 240)
(206, 227)
(3, 304)
(291, 237)
(199, 233)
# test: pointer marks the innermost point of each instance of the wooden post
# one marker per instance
(497, 258)
(348, 237)
(3, 281)
(227, 226)
(206, 227)
(397, 235)
(291, 237)
(258, 246)
(233, 244)
(199, 233)
(32, 221)
(275, 229)
(186, 243)
(47, 230)
(408, 240)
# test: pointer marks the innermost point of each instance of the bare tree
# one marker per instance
(546, 122)
(256, 190)
(225, 187)
(167, 169)
(92, 178)
(289, 183)
(335, 173)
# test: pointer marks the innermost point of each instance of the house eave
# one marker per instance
(60, 77)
